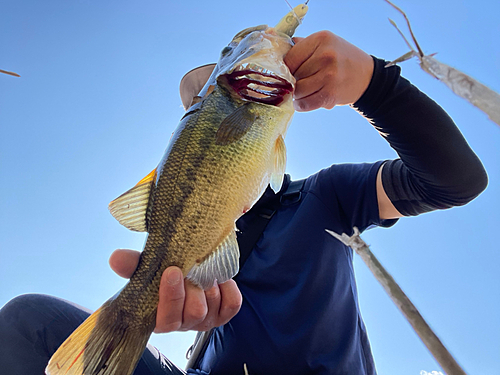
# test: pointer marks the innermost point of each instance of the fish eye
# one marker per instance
(226, 50)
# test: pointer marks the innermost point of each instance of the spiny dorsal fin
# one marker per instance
(130, 208)
(235, 126)
(279, 164)
(221, 265)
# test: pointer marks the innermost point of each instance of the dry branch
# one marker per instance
(426, 334)
(9, 73)
(460, 83)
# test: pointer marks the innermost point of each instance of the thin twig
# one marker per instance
(409, 26)
(9, 73)
(460, 83)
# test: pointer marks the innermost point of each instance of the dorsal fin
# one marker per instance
(130, 208)
(221, 265)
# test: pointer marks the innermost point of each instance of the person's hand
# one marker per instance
(329, 71)
(184, 306)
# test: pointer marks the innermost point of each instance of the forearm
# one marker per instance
(437, 168)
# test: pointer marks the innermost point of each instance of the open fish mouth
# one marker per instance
(254, 83)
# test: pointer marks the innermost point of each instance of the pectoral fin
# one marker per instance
(235, 126)
(279, 164)
(221, 265)
(130, 208)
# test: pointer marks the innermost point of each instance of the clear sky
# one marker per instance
(98, 99)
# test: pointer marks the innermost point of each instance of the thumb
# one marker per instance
(124, 262)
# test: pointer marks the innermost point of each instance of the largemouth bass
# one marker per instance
(226, 150)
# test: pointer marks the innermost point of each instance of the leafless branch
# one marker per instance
(426, 334)
(460, 83)
(10, 73)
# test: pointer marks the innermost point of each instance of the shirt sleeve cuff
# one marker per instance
(381, 84)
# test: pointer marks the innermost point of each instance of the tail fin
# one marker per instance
(104, 344)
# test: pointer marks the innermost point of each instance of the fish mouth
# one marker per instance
(254, 83)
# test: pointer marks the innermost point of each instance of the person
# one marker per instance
(292, 308)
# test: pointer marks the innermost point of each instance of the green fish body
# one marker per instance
(227, 148)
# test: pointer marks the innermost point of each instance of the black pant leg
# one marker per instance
(33, 326)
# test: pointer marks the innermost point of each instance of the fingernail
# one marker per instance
(173, 277)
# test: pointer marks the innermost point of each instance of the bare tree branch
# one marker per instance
(426, 334)
(10, 73)
(460, 83)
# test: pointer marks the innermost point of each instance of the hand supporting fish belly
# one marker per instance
(227, 148)
(183, 306)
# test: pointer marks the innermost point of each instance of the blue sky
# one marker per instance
(98, 99)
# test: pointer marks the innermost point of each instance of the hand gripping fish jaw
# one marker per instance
(250, 81)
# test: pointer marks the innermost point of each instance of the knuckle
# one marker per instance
(324, 35)
(232, 305)
(230, 311)
(212, 294)
(230, 308)
(328, 58)
(196, 312)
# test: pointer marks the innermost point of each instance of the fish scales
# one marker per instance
(199, 194)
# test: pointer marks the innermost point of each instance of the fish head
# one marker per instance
(252, 68)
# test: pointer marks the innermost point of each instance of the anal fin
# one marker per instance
(279, 165)
(221, 265)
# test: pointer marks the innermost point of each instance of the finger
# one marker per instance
(299, 54)
(124, 262)
(231, 301)
(213, 299)
(306, 47)
(307, 69)
(320, 99)
(308, 86)
(171, 301)
(195, 306)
